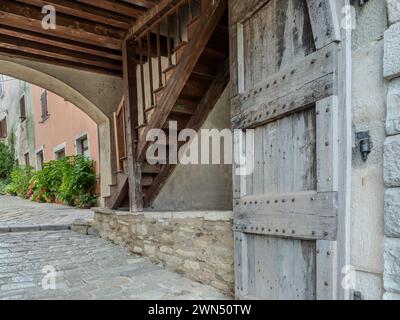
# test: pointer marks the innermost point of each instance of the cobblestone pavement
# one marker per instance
(17, 213)
(85, 267)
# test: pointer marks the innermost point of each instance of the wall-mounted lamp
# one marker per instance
(365, 143)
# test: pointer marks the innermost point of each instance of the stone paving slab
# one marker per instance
(18, 215)
(85, 268)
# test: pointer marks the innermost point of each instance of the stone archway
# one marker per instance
(96, 95)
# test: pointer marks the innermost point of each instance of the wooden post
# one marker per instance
(160, 82)
(131, 105)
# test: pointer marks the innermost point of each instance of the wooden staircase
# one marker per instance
(182, 86)
(119, 198)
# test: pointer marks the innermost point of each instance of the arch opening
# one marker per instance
(51, 83)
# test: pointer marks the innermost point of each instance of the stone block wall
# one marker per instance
(198, 245)
(391, 72)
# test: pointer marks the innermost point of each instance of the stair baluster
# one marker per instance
(195, 70)
(150, 62)
(142, 83)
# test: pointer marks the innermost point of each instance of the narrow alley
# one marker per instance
(41, 259)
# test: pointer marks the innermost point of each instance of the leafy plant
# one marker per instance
(46, 182)
(6, 158)
(87, 200)
(70, 180)
(20, 184)
(79, 181)
(3, 186)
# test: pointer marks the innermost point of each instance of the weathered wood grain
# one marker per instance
(324, 21)
(285, 73)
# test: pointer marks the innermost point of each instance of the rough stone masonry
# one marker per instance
(391, 70)
(198, 245)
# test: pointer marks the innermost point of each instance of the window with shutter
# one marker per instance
(3, 128)
(39, 160)
(60, 154)
(27, 159)
(22, 108)
(45, 112)
(82, 146)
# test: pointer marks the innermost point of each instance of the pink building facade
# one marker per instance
(61, 129)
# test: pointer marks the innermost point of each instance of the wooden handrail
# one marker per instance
(120, 135)
(149, 38)
(208, 21)
(152, 17)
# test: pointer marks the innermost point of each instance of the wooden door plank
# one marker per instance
(309, 203)
(327, 270)
(304, 156)
(328, 179)
(258, 175)
(271, 157)
(280, 87)
(262, 103)
(304, 276)
(297, 226)
(327, 144)
(324, 22)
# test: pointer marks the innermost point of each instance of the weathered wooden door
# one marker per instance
(285, 58)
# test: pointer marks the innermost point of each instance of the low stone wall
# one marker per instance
(198, 245)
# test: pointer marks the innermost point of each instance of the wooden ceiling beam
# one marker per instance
(30, 18)
(47, 51)
(142, 3)
(58, 62)
(116, 6)
(62, 43)
(84, 11)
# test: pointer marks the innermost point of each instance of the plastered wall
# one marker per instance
(201, 187)
(369, 113)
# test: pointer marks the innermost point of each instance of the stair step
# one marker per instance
(179, 50)
(193, 103)
(215, 54)
(194, 89)
(205, 69)
(202, 76)
(149, 169)
(150, 109)
(158, 94)
(179, 46)
(147, 181)
(144, 125)
(194, 20)
(183, 109)
(192, 27)
(168, 72)
(158, 90)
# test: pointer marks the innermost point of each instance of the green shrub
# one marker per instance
(3, 186)
(70, 180)
(46, 182)
(6, 159)
(78, 182)
(20, 184)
